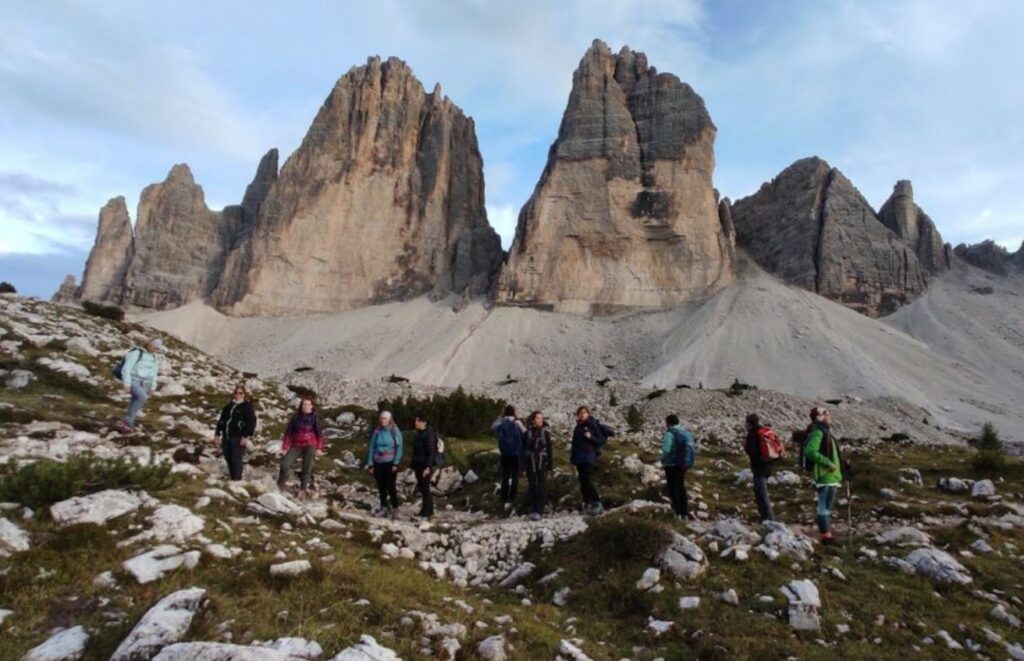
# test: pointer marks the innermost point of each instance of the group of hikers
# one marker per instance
(523, 448)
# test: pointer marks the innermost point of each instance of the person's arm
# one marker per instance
(250, 420)
(398, 448)
(129, 366)
(666, 444)
(369, 449)
(222, 421)
(550, 450)
(813, 449)
(286, 439)
(606, 431)
(318, 429)
(431, 449)
(156, 372)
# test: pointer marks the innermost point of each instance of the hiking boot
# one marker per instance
(392, 513)
(827, 539)
(507, 506)
(123, 427)
(535, 517)
(303, 494)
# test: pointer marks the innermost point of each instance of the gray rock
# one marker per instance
(98, 508)
(366, 649)
(202, 651)
(812, 228)
(492, 649)
(904, 536)
(804, 603)
(683, 559)
(13, 539)
(163, 624)
(915, 228)
(153, 564)
(293, 568)
(939, 566)
(954, 484)
(18, 379)
(983, 489)
(518, 575)
(65, 645)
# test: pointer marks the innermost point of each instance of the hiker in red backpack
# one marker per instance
(764, 448)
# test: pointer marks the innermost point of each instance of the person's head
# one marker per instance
(510, 411)
(536, 419)
(671, 420)
(307, 405)
(240, 393)
(582, 414)
(155, 345)
(753, 421)
(385, 419)
(822, 415)
(420, 421)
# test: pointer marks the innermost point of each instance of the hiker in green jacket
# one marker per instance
(822, 451)
(139, 374)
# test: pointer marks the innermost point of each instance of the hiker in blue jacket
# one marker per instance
(382, 459)
(588, 437)
(139, 375)
(509, 431)
(676, 458)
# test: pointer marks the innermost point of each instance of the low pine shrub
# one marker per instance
(990, 456)
(634, 419)
(458, 413)
(104, 311)
(46, 482)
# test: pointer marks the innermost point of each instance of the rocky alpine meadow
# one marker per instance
(362, 273)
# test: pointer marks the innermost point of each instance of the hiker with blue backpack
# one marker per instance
(509, 431)
(138, 371)
(425, 456)
(678, 454)
(588, 437)
(382, 459)
(821, 456)
(537, 459)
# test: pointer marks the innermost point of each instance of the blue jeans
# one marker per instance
(826, 499)
(764, 503)
(140, 393)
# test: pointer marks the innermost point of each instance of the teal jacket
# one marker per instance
(385, 446)
(827, 469)
(669, 456)
(141, 364)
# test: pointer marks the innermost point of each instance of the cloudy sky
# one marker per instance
(98, 99)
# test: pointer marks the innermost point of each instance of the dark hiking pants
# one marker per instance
(423, 486)
(675, 477)
(509, 479)
(538, 483)
(590, 495)
(233, 453)
(387, 484)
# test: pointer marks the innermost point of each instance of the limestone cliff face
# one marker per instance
(384, 199)
(67, 292)
(915, 228)
(625, 214)
(812, 228)
(177, 245)
(108, 259)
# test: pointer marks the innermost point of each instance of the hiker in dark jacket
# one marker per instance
(509, 431)
(822, 450)
(383, 458)
(424, 455)
(537, 459)
(235, 427)
(674, 444)
(760, 467)
(303, 436)
(587, 439)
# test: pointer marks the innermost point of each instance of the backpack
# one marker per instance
(510, 439)
(118, 369)
(599, 434)
(800, 440)
(684, 448)
(439, 452)
(768, 444)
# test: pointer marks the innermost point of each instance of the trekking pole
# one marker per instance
(849, 512)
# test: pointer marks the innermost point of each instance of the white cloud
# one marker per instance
(503, 219)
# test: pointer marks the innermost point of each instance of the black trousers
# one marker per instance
(387, 483)
(233, 453)
(590, 495)
(676, 479)
(423, 486)
(538, 482)
(509, 478)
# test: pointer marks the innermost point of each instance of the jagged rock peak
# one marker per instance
(624, 215)
(812, 228)
(383, 200)
(108, 260)
(68, 291)
(992, 257)
(901, 215)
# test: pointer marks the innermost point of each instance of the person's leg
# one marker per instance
(428, 497)
(506, 477)
(240, 460)
(583, 474)
(286, 466)
(532, 485)
(308, 454)
(542, 491)
(233, 453)
(595, 497)
(140, 393)
(393, 486)
(684, 501)
(225, 449)
(764, 503)
(380, 474)
(672, 484)
(826, 496)
(513, 469)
